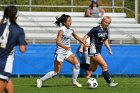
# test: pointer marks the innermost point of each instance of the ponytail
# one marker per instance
(2, 20)
(10, 13)
(60, 21)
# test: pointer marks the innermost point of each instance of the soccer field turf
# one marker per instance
(64, 85)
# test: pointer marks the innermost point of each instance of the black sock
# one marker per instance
(85, 66)
(106, 76)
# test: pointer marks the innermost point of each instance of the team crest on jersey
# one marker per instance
(102, 34)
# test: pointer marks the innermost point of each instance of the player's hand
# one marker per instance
(81, 50)
(110, 52)
(67, 48)
(87, 45)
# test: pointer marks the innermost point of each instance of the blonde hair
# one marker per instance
(105, 17)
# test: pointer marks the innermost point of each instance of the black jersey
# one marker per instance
(16, 37)
(97, 36)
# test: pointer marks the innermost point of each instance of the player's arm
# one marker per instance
(22, 48)
(84, 40)
(22, 42)
(108, 46)
(81, 48)
(59, 38)
(78, 38)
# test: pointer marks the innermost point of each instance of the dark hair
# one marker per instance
(62, 19)
(91, 5)
(10, 12)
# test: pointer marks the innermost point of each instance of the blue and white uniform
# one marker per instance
(97, 36)
(16, 37)
(61, 53)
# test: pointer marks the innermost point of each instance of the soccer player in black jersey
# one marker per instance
(11, 35)
(99, 35)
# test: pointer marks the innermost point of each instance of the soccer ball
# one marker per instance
(92, 83)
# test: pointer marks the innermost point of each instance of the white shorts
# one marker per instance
(61, 57)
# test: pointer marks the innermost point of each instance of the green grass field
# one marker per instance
(63, 85)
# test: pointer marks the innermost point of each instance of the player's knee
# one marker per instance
(104, 67)
(76, 66)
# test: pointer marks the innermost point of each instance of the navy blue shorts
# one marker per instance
(6, 67)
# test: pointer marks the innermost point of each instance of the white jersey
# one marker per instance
(65, 39)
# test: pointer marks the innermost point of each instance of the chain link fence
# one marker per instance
(66, 5)
(127, 6)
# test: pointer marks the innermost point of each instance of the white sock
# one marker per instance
(48, 75)
(75, 72)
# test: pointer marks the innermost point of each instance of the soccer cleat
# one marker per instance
(77, 84)
(112, 84)
(39, 83)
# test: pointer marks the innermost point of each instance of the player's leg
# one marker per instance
(92, 68)
(57, 65)
(50, 74)
(88, 74)
(9, 87)
(87, 58)
(93, 65)
(3, 84)
(57, 68)
(99, 59)
(85, 65)
(76, 67)
(5, 74)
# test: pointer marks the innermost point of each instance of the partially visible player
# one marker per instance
(11, 35)
(85, 65)
(63, 51)
(99, 35)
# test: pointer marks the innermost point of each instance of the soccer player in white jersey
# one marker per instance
(63, 51)
(11, 35)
